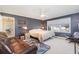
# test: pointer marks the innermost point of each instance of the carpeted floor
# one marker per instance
(55, 45)
(59, 45)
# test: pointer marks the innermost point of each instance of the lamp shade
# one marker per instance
(24, 27)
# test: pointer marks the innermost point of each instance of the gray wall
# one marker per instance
(74, 23)
(29, 22)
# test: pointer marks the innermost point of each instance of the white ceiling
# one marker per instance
(33, 11)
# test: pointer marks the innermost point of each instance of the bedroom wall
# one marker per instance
(74, 24)
(30, 23)
(20, 20)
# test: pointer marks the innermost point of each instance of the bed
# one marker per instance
(41, 34)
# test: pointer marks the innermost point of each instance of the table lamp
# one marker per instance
(25, 28)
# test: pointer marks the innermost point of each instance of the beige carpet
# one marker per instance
(59, 45)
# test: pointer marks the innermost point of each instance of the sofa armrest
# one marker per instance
(31, 50)
(5, 47)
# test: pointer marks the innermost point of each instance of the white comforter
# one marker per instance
(41, 34)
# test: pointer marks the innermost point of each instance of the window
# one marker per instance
(60, 25)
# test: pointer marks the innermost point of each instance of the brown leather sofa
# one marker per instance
(15, 46)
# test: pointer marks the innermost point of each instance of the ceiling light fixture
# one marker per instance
(42, 14)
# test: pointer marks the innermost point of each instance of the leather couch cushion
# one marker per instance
(18, 46)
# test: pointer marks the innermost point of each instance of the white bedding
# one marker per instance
(41, 34)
